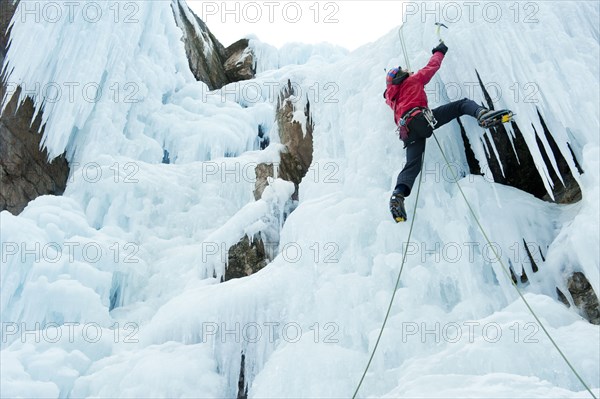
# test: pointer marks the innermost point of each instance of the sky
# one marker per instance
(349, 24)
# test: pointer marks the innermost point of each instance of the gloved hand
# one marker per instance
(442, 48)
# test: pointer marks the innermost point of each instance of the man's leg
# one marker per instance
(414, 160)
(453, 110)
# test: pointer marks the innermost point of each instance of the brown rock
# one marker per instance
(240, 63)
(298, 154)
(263, 173)
(25, 172)
(297, 158)
(584, 297)
(205, 54)
(246, 258)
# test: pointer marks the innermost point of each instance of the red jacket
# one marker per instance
(411, 93)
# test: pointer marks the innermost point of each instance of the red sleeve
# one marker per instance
(390, 94)
(434, 64)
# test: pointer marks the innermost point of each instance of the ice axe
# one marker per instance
(439, 30)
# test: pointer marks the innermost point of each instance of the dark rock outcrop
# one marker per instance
(297, 138)
(240, 64)
(209, 60)
(561, 297)
(246, 258)
(7, 10)
(516, 167)
(534, 265)
(205, 54)
(297, 156)
(566, 191)
(242, 385)
(263, 140)
(249, 256)
(25, 172)
(584, 297)
(531, 259)
(474, 167)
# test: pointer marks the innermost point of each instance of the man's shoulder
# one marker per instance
(391, 91)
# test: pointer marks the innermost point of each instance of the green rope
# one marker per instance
(387, 314)
(509, 276)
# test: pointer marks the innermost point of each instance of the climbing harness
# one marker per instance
(403, 124)
(403, 130)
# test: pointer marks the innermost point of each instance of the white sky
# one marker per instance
(349, 24)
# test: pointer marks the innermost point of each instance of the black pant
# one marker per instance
(416, 148)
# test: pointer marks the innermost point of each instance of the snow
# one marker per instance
(269, 57)
(113, 289)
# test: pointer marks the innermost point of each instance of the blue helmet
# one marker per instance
(391, 75)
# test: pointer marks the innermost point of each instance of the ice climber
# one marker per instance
(405, 94)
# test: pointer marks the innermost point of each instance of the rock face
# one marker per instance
(584, 297)
(297, 138)
(7, 10)
(519, 166)
(25, 172)
(249, 256)
(516, 167)
(205, 54)
(263, 172)
(240, 63)
(246, 258)
(567, 190)
(242, 385)
(209, 61)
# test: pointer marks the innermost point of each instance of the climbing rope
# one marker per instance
(504, 268)
(403, 44)
(387, 314)
(506, 271)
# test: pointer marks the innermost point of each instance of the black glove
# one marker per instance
(442, 48)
